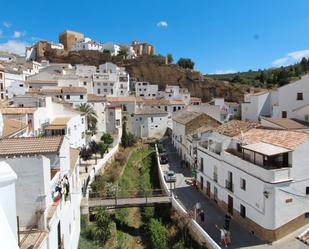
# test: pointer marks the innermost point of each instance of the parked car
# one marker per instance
(170, 176)
(163, 158)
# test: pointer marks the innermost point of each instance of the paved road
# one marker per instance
(189, 196)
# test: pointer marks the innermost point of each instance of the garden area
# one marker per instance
(134, 169)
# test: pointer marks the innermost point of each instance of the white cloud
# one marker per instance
(224, 71)
(7, 24)
(291, 58)
(16, 47)
(18, 34)
(162, 24)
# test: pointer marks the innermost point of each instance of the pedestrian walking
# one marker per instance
(198, 207)
(202, 216)
(227, 221)
(228, 238)
(223, 240)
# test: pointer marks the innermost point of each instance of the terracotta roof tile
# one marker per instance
(286, 123)
(11, 127)
(235, 127)
(163, 102)
(283, 138)
(17, 110)
(184, 117)
(30, 145)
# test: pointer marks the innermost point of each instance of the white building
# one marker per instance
(149, 122)
(228, 110)
(288, 101)
(176, 93)
(146, 90)
(111, 80)
(8, 216)
(47, 190)
(258, 175)
(113, 48)
(85, 73)
(44, 116)
(2, 83)
(87, 44)
(185, 123)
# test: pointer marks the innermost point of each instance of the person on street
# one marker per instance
(227, 222)
(202, 216)
(222, 236)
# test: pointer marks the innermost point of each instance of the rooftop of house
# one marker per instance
(95, 98)
(17, 110)
(30, 145)
(73, 89)
(149, 111)
(286, 123)
(258, 93)
(163, 102)
(11, 127)
(184, 117)
(123, 99)
(41, 81)
(235, 127)
(283, 138)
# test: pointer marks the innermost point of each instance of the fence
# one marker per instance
(196, 230)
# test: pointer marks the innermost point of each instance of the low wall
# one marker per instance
(196, 231)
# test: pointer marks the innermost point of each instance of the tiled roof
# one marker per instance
(184, 117)
(95, 98)
(258, 93)
(286, 123)
(283, 138)
(123, 99)
(163, 102)
(61, 121)
(17, 110)
(149, 111)
(30, 145)
(11, 126)
(235, 127)
(73, 89)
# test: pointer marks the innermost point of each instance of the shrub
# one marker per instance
(102, 225)
(121, 157)
(158, 234)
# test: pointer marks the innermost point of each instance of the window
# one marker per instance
(299, 96)
(284, 114)
(239, 147)
(83, 121)
(307, 190)
(174, 108)
(21, 85)
(165, 108)
(151, 119)
(179, 108)
(85, 83)
(99, 91)
(242, 211)
(81, 96)
(1, 86)
(105, 90)
(202, 164)
(68, 96)
(242, 184)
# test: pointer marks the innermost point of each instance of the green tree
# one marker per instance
(91, 116)
(94, 148)
(85, 153)
(124, 52)
(107, 139)
(304, 64)
(102, 225)
(185, 63)
(103, 148)
(158, 234)
(170, 58)
(127, 139)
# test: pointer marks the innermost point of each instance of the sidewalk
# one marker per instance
(189, 196)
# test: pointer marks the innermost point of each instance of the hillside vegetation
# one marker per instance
(267, 78)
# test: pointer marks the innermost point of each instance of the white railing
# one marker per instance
(194, 226)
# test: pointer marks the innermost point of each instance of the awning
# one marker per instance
(266, 149)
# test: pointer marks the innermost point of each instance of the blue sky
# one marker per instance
(219, 35)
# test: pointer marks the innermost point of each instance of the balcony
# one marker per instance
(270, 174)
(229, 185)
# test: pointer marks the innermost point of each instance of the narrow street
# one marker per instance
(189, 196)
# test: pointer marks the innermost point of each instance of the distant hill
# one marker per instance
(267, 78)
(155, 70)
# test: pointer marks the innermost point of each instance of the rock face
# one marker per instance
(154, 70)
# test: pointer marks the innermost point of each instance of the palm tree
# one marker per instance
(91, 116)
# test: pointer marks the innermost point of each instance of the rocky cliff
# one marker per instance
(154, 70)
